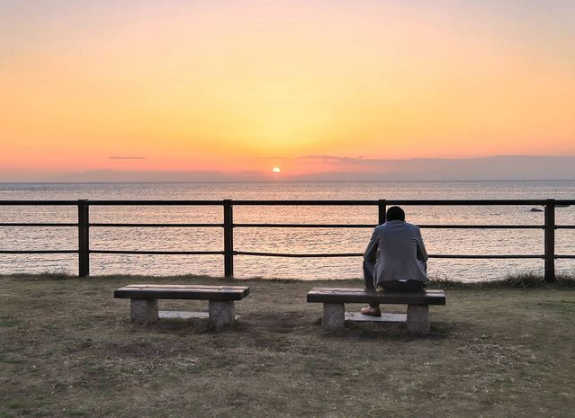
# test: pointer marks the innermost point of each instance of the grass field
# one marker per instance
(67, 348)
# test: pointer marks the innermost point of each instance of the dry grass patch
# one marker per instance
(67, 348)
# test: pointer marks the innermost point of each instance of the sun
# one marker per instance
(276, 170)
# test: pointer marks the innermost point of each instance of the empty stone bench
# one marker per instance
(334, 301)
(144, 300)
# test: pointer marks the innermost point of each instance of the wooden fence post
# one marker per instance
(381, 208)
(228, 239)
(83, 238)
(550, 240)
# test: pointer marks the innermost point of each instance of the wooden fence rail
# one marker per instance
(84, 225)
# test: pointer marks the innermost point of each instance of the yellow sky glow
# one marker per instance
(232, 86)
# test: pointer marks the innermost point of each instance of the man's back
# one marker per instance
(401, 254)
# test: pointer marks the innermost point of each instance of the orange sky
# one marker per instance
(250, 85)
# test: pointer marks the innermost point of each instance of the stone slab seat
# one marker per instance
(334, 300)
(144, 300)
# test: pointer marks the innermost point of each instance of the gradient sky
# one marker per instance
(248, 85)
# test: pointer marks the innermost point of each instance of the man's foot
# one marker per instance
(371, 311)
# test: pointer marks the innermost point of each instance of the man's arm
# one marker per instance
(421, 251)
(371, 249)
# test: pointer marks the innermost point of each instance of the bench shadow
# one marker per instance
(276, 323)
(174, 325)
(273, 323)
(260, 324)
(388, 331)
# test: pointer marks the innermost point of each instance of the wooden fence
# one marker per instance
(84, 225)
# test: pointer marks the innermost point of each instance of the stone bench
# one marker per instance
(144, 300)
(334, 301)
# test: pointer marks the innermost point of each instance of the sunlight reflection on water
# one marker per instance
(289, 240)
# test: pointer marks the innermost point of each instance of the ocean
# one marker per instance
(284, 240)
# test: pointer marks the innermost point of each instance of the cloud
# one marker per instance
(331, 159)
(326, 159)
(342, 169)
(128, 157)
(511, 167)
(504, 167)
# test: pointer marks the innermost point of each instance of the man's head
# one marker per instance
(395, 213)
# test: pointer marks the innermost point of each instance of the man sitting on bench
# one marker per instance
(395, 258)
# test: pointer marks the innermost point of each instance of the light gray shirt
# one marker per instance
(398, 251)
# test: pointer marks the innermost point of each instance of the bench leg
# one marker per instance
(333, 316)
(418, 319)
(144, 311)
(221, 313)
